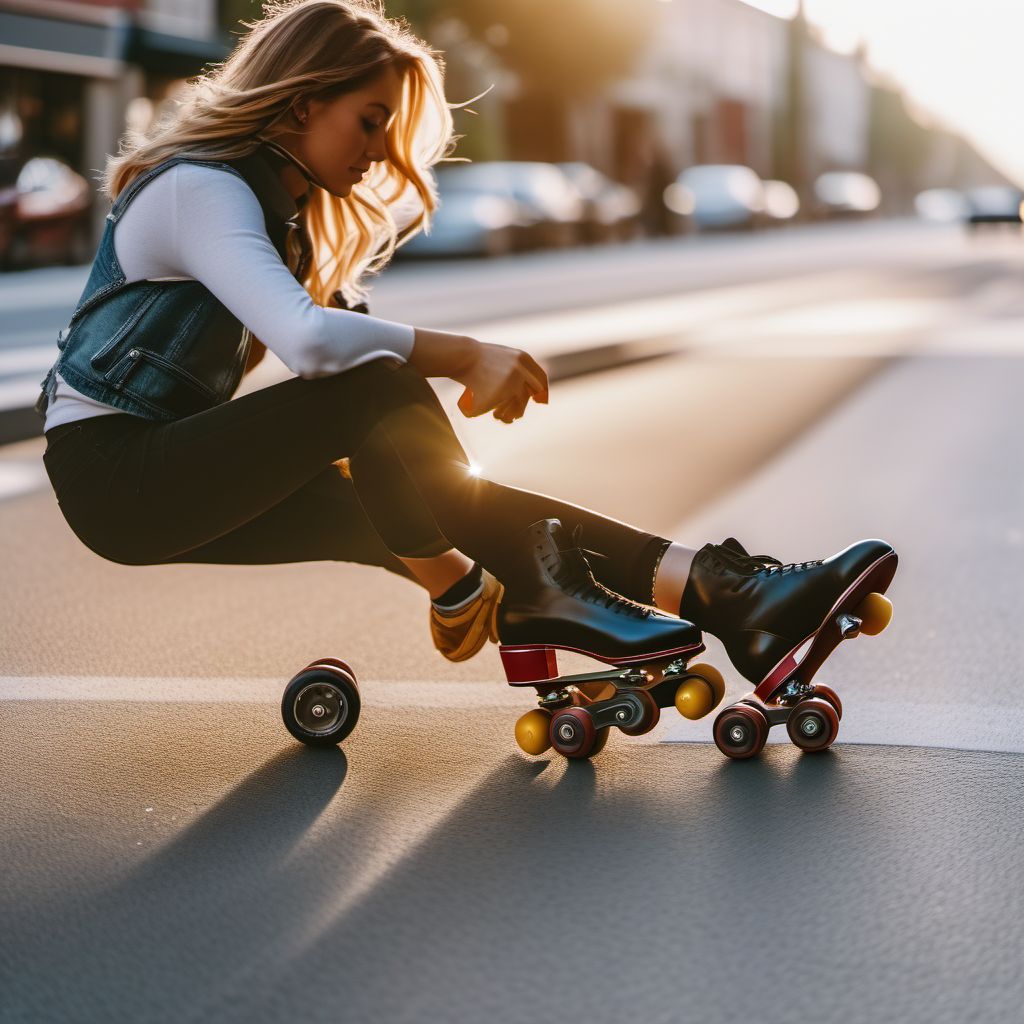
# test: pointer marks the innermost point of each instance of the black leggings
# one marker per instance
(254, 481)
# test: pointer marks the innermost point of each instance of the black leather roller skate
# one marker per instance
(552, 602)
(778, 624)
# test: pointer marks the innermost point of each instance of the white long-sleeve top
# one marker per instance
(202, 223)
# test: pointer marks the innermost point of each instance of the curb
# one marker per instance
(21, 424)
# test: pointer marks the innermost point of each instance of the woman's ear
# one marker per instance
(300, 111)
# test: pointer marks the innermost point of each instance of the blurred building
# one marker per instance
(73, 73)
(707, 81)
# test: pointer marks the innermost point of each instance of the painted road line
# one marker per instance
(946, 726)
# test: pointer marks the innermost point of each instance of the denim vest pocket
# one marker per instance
(107, 353)
(159, 383)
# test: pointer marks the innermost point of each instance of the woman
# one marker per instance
(252, 212)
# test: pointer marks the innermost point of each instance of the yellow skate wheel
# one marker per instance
(712, 677)
(532, 731)
(694, 698)
(875, 613)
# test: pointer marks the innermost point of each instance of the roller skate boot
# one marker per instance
(779, 623)
(552, 602)
(460, 634)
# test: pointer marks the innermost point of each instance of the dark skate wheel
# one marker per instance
(741, 731)
(813, 725)
(875, 613)
(651, 716)
(572, 733)
(827, 693)
(532, 732)
(700, 692)
(321, 705)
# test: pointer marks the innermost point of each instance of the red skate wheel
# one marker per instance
(813, 725)
(827, 693)
(741, 731)
(335, 662)
(652, 715)
(601, 742)
(572, 733)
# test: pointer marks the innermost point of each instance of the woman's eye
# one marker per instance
(370, 125)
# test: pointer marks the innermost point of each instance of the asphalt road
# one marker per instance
(170, 853)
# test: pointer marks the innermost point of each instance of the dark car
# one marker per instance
(994, 204)
(470, 221)
(549, 205)
(611, 210)
(51, 216)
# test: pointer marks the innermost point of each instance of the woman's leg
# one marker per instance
(480, 516)
(151, 492)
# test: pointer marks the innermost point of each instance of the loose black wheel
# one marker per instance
(651, 715)
(813, 724)
(572, 733)
(741, 731)
(320, 706)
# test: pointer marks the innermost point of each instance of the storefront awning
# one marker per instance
(101, 50)
(53, 44)
(172, 55)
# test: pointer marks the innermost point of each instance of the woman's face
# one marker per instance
(342, 137)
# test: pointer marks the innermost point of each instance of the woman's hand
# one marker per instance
(502, 379)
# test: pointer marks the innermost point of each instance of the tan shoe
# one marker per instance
(461, 634)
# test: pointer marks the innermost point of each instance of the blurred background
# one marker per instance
(604, 123)
(662, 117)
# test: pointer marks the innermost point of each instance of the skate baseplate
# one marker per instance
(575, 713)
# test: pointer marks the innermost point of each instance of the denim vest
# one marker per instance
(165, 349)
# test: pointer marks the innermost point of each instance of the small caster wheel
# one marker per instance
(573, 735)
(532, 732)
(875, 613)
(827, 693)
(320, 706)
(741, 731)
(813, 725)
(651, 715)
(700, 692)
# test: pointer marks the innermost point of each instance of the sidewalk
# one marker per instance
(651, 291)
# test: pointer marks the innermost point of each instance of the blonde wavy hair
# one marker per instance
(317, 49)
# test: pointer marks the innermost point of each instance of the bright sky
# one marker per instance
(962, 60)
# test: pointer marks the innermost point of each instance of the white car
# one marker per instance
(845, 193)
(718, 196)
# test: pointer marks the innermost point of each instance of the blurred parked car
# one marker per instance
(781, 203)
(994, 204)
(941, 205)
(551, 206)
(611, 210)
(718, 196)
(8, 223)
(469, 222)
(51, 215)
(846, 194)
